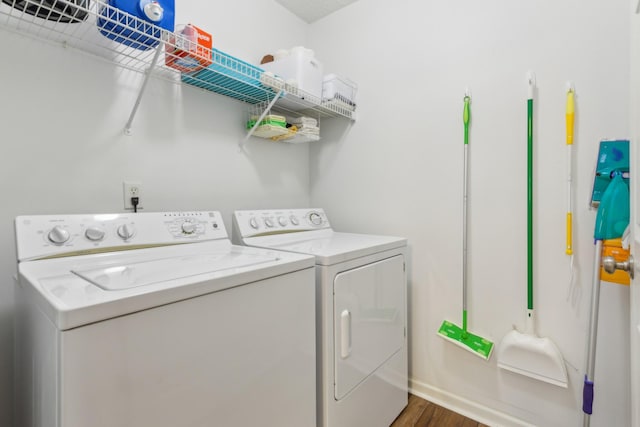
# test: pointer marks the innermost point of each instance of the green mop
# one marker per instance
(449, 331)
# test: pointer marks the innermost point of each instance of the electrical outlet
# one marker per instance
(131, 189)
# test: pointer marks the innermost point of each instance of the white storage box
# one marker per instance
(339, 88)
(301, 66)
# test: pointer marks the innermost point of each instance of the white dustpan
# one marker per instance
(527, 354)
(533, 356)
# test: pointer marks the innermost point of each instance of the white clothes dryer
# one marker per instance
(361, 320)
(156, 319)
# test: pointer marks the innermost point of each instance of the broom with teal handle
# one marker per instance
(461, 336)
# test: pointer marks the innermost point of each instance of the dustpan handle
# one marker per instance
(530, 196)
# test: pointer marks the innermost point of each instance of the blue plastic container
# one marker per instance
(137, 23)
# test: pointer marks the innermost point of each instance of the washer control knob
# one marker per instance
(253, 223)
(58, 235)
(282, 221)
(188, 227)
(268, 222)
(126, 231)
(94, 234)
(294, 220)
(315, 218)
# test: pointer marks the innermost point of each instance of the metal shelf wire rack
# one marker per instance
(92, 25)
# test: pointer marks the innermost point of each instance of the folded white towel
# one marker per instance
(309, 131)
(305, 121)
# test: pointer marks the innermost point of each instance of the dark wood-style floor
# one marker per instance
(420, 413)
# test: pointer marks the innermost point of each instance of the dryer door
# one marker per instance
(369, 320)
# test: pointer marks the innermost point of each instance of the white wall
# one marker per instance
(63, 150)
(398, 170)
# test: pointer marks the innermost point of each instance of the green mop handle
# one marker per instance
(466, 116)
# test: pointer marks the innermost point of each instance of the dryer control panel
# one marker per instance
(40, 236)
(264, 222)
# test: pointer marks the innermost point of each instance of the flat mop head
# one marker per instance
(535, 357)
(477, 345)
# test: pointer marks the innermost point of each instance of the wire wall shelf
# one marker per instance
(96, 27)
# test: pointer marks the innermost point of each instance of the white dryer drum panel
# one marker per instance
(369, 326)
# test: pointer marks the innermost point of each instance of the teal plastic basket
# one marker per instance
(232, 77)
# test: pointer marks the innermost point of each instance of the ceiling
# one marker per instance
(312, 10)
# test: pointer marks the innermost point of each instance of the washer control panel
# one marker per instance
(39, 236)
(260, 222)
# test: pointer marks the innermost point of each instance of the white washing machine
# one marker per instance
(156, 319)
(361, 326)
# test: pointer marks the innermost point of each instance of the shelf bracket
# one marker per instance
(264, 113)
(154, 61)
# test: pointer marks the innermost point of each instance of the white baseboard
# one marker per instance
(464, 406)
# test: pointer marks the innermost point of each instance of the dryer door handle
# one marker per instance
(345, 334)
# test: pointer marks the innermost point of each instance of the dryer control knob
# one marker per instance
(268, 222)
(94, 234)
(126, 231)
(253, 223)
(294, 220)
(58, 235)
(282, 221)
(315, 218)
(188, 227)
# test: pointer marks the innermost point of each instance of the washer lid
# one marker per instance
(79, 290)
(131, 275)
(329, 247)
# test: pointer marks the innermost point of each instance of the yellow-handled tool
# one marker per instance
(570, 115)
